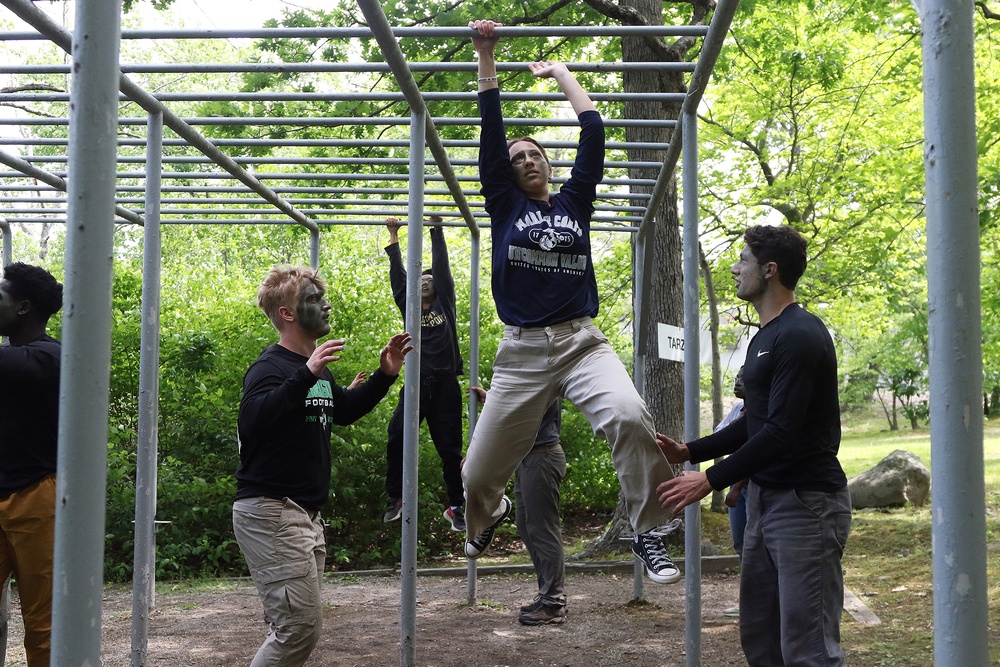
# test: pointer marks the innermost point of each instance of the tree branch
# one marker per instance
(32, 87)
(628, 16)
(28, 110)
(987, 13)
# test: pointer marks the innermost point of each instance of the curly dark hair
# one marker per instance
(782, 245)
(34, 284)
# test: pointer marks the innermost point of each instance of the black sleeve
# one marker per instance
(269, 397)
(444, 283)
(397, 277)
(588, 168)
(350, 405)
(495, 171)
(792, 386)
(724, 441)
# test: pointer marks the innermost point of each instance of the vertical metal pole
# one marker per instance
(144, 569)
(314, 248)
(692, 384)
(86, 357)
(474, 274)
(638, 368)
(8, 247)
(411, 396)
(954, 324)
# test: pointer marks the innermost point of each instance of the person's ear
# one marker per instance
(286, 314)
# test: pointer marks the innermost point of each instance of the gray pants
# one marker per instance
(285, 548)
(536, 490)
(533, 367)
(792, 584)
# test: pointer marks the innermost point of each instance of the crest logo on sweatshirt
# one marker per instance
(549, 235)
(320, 397)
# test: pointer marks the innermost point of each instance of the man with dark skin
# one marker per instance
(786, 442)
(440, 366)
(29, 423)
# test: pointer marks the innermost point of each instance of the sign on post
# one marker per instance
(671, 342)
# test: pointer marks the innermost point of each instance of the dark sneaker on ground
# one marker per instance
(456, 517)
(475, 547)
(393, 510)
(543, 614)
(648, 547)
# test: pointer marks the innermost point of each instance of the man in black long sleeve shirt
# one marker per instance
(786, 442)
(440, 366)
(289, 406)
(29, 425)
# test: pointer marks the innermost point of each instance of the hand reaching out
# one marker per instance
(687, 488)
(390, 361)
(675, 452)
(358, 379)
(324, 354)
(548, 69)
(479, 393)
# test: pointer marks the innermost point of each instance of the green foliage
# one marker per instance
(212, 331)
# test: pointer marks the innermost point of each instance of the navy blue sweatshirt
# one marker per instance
(286, 418)
(789, 435)
(543, 272)
(439, 353)
(29, 412)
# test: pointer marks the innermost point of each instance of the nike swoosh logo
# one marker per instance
(762, 353)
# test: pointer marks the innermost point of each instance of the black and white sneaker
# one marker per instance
(475, 547)
(648, 547)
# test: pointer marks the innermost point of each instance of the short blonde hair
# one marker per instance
(282, 287)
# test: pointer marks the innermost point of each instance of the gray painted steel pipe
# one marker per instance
(958, 521)
(356, 143)
(474, 301)
(31, 171)
(638, 377)
(314, 67)
(144, 567)
(411, 406)
(334, 96)
(407, 32)
(78, 571)
(692, 384)
(317, 121)
(8, 246)
(26, 11)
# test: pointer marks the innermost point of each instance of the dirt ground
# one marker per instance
(223, 626)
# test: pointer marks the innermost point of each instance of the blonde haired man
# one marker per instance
(289, 406)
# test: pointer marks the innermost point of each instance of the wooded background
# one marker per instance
(813, 118)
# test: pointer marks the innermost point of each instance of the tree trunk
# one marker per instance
(718, 497)
(664, 380)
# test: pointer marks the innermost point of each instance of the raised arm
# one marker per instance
(485, 44)
(444, 283)
(571, 88)
(397, 274)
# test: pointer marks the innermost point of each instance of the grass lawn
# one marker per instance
(888, 558)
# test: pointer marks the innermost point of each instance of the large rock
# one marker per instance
(899, 479)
